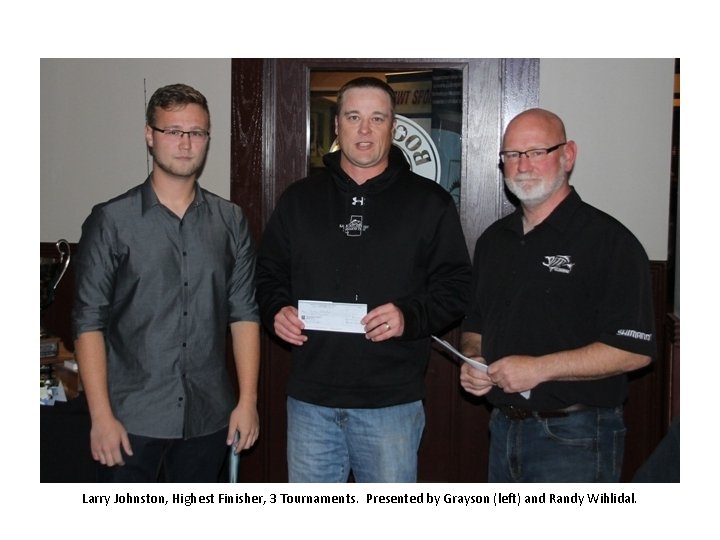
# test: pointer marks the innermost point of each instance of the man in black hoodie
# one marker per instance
(366, 231)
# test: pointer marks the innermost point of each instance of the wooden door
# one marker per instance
(270, 150)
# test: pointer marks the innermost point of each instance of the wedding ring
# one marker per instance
(387, 326)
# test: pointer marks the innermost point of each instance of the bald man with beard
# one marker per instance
(561, 309)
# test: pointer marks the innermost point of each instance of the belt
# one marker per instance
(516, 413)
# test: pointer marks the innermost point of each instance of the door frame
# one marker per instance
(270, 143)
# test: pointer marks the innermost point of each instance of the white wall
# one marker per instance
(92, 144)
(619, 111)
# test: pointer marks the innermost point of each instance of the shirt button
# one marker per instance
(184, 344)
(184, 253)
(186, 283)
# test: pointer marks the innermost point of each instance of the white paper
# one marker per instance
(332, 316)
(474, 363)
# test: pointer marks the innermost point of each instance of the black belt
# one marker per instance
(516, 413)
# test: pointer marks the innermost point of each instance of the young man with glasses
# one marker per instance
(161, 273)
(561, 308)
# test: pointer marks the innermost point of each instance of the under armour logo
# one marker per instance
(358, 200)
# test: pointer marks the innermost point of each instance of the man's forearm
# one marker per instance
(246, 351)
(92, 362)
(594, 361)
(471, 344)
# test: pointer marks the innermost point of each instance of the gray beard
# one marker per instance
(540, 190)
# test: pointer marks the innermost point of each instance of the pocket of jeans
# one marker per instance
(578, 430)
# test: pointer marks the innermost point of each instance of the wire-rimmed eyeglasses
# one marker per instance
(197, 135)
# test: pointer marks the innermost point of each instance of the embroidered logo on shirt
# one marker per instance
(558, 263)
(355, 227)
(358, 200)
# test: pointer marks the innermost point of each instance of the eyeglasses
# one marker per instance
(197, 135)
(536, 154)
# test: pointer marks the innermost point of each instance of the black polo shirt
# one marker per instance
(577, 278)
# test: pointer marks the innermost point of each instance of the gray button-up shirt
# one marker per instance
(163, 291)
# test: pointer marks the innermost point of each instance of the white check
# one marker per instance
(332, 316)
(467, 360)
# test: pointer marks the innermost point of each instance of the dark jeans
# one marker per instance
(199, 459)
(585, 446)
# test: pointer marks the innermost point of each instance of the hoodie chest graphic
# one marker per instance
(355, 226)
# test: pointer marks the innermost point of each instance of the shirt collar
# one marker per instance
(562, 215)
(559, 218)
(150, 199)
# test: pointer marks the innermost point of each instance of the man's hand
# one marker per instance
(288, 326)
(516, 373)
(473, 380)
(384, 322)
(107, 436)
(244, 420)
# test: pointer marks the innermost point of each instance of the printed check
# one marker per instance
(474, 363)
(332, 316)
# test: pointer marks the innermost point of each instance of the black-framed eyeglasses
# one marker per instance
(535, 154)
(197, 135)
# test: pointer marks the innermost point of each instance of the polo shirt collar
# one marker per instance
(560, 218)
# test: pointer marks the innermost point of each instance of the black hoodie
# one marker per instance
(396, 238)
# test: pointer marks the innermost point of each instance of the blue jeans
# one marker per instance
(378, 445)
(585, 446)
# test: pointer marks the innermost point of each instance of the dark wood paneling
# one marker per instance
(246, 152)
(647, 403)
(521, 91)
(672, 356)
(455, 442)
(251, 179)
